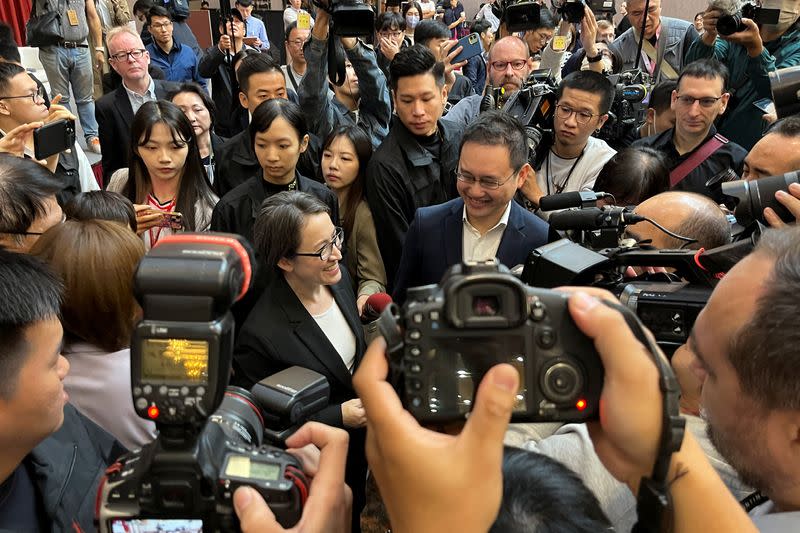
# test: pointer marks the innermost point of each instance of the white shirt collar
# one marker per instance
(502, 223)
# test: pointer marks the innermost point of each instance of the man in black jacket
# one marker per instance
(115, 110)
(53, 457)
(415, 165)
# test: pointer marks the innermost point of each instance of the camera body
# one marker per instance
(351, 18)
(731, 23)
(478, 316)
(210, 437)
(628, 109)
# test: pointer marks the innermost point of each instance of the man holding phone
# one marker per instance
(22, 102)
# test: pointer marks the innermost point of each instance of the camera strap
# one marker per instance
(696, 159)
(653, 498)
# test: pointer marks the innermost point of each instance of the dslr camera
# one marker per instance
(447, 336)
(750, 198)
(731, 20)
(209, 437)
(572, 10)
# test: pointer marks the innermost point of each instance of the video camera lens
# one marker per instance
(752, 197)
(562, 382)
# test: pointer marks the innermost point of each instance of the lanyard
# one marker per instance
(166, 209)
(560, 188)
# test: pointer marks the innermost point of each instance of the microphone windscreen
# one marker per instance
(375, 305)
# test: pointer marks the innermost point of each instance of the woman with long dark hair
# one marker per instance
(166, 179)
(345, 154)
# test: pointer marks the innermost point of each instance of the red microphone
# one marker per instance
(375, 305)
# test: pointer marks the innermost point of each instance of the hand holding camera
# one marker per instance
(14, 141)
(327, 509)
(790, 200)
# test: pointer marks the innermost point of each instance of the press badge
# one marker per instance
(72, 16)
(559, 43)
(303, 21)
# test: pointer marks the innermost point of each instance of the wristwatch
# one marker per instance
(594, 59)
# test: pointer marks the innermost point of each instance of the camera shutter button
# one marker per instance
(538, 311)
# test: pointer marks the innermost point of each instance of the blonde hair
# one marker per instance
(119, 30)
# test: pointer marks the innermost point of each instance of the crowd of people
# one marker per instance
(379, 183)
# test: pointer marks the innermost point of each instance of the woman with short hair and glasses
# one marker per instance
(307, 316)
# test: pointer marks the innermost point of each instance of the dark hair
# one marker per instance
(25, 185)
(96, 259)
(788, 127)
(8, 46)
(430, 29)
(239, 56)
(157, 11)
(30, 293)
(244, 3)
(268, 110)
(253, 64)
(101, 205)
(363, 150)
(542, 495)
(409, 5)
(633, 175)
(590, 82)
(389, 20)
(8, 71)
(279, 225)
(661, 95)
(289, 29)
(764, 352)
(194, 182)
(142, 6)
(194, 88)
(498, 128)
(413, 61)
(480, 26)
(706, 68)
(699, 14)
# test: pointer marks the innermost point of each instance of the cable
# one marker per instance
(687, 240)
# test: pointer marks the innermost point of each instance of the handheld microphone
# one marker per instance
(375, 305)
(567, 200)
(593, 218)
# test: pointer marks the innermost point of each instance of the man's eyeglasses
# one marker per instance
(581, 117)
(160, 26)
(123, 56)
(326, 251)
(37, 95)
(517, 64)
(485, 183)
(706, 101)
(297, 42)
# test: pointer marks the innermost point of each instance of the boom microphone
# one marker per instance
(593, 218)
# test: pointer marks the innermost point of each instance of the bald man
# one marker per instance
(504, 55)
(688, 214)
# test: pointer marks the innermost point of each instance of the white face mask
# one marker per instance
(790, 10)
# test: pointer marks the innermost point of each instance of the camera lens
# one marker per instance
(239, 417)
(762, 195)
(729, 24)
(561, 382)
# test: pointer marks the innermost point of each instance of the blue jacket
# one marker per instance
(748, 81)
(475, 71)
(434, 243)
(324, 113)
(179, 65)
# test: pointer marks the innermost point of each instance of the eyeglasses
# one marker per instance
(395, 34)
(37, 95)
(325, 252)
(581, 117)
(123, 56)
(63, 219)
(485, 183)
(297, 42)
(160, 26)
(706, 101)
(517, 64)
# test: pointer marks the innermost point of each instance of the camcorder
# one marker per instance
(534, 105)
(629, 108)
(447, 336)
(210, 436)
(573, 10)
(730, 21)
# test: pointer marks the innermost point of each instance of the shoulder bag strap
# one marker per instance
(701, 154)
(658, 58)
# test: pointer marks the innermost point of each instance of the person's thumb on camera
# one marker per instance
(253, 512)
(494, 402)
